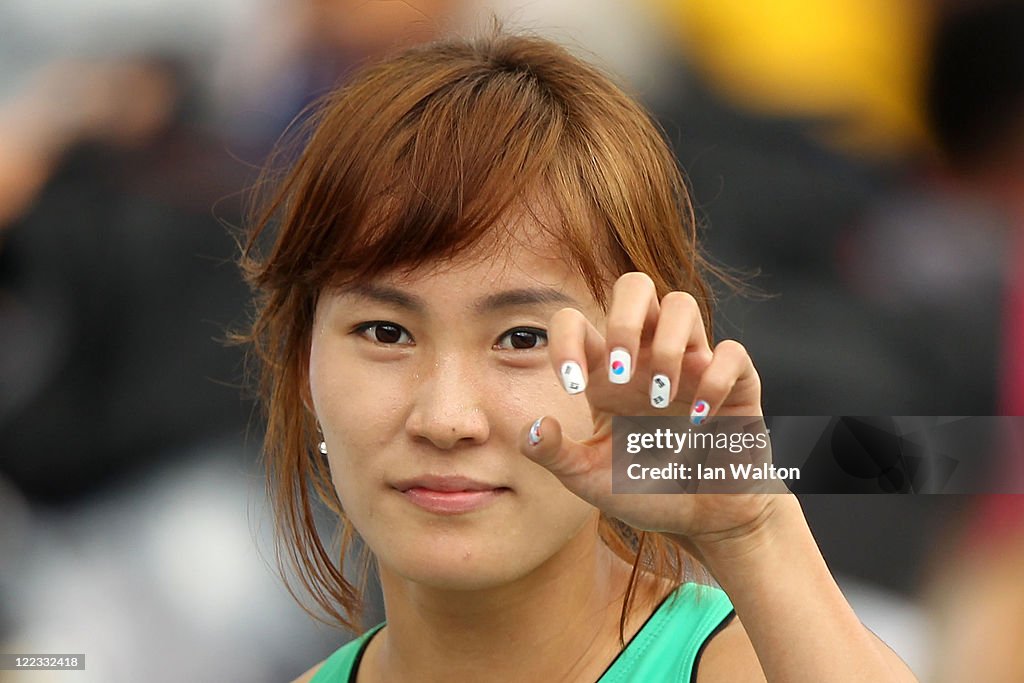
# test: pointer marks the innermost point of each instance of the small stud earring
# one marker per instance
(323, 447)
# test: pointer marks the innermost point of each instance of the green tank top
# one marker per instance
(664, 650)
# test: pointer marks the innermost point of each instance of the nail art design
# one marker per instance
(572, 377)
(535, 436)
(661, 387)
(700, 412)
(619, 366)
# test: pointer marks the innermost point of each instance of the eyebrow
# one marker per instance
(387, 295)
(524, 297)
(510, 298)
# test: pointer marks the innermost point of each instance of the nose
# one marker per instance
(448, 408)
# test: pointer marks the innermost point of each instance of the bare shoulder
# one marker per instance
(308, 676)
(729, 656)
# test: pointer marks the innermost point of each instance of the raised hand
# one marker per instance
(653, 359)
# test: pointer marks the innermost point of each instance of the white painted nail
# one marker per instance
(661, 387)
(619, 366)
(700, 412)
(572, 377)
(535, 435)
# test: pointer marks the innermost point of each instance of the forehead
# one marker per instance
(515, 250)
(525, 248)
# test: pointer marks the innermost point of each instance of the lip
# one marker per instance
(449, 494)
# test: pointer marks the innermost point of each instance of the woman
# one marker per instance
(483, 254)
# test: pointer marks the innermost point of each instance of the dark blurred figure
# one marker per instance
(116, 279)
(976, 104)
(946, 254)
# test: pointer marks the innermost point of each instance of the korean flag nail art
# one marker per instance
(619, 366)
(661, 387)
(572, 377)
(700, 412)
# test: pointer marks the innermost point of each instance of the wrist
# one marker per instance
(758, 547)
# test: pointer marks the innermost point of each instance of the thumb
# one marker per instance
(570, 461)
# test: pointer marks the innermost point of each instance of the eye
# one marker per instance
(523, 338)
(384, 332)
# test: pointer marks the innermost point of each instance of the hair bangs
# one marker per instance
(432, 178)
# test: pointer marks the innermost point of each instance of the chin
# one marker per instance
(458, 566)
(480, 551)
(460, 580)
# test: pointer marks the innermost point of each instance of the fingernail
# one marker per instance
(619, 366)
(535, 436)
(661, 387)
(572, 377)
(700, 412)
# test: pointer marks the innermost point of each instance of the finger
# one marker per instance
(570, 461)
(574, 346)
(680, 331)
(634, 308)
(730, 363)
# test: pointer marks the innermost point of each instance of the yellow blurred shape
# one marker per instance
(859, 60)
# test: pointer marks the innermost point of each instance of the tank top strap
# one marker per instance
(668, 645)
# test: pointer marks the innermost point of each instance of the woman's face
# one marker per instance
(422, 384)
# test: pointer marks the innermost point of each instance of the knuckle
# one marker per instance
(716, 385)
(683, 300)
(701, 358)
(731, 347)
(620, 333)
(566, 317)
(665, 354)
(635, 279)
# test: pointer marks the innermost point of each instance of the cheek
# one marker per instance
(358, 415)
(541, 394)
(576, 419)
(547, 496)
(351, 398)
(572, 412)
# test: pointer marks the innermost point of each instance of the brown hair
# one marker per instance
(416, 159)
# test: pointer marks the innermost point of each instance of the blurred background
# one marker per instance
(861, 160)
